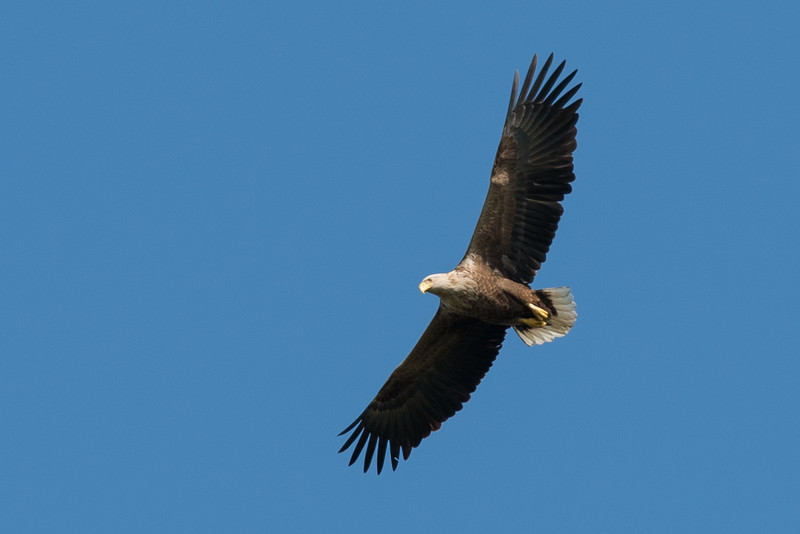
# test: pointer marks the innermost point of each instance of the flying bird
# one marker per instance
(488, 291)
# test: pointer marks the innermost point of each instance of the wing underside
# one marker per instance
(532, 173)
(428, 387)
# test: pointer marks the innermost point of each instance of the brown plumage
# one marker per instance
(488, 291)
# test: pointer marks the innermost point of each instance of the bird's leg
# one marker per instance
(539, 319)
(539, 313)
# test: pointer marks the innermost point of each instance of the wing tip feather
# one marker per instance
(539, 91)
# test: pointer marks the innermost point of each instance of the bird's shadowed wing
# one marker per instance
(531, 174)
(429, 386)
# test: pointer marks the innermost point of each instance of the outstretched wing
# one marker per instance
(433, 382)
(531, 174)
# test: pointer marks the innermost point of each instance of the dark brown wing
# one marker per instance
(531, 174)
(433, 382)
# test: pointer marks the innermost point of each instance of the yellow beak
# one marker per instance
(425, 285)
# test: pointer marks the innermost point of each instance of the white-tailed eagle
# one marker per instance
(488, 291)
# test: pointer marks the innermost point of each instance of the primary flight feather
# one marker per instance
(488, 290)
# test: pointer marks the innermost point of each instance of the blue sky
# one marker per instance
(214, 218)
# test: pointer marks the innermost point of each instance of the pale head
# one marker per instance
(435, 283)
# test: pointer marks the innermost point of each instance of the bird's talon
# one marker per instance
(539, 313)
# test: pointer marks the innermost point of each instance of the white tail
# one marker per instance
(558, 324)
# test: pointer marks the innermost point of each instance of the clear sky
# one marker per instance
(214, 217)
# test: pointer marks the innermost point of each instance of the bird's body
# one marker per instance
(488, 291)
(472, 290)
